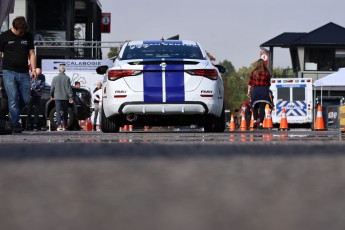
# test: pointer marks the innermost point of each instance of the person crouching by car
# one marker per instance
(75, 125)
(77, 84)
(37, 86)
(258, 90)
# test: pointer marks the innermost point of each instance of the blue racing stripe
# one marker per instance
(170, 42)
(152, 42)
(153, 85)
(153, 82)
(174, 81)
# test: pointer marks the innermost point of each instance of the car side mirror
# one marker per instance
(221, 68)
(102, 69)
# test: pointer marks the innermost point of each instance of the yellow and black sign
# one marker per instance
(342, 115)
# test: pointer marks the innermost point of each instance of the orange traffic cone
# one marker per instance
(88, 125)
(268, 124)
(252, 122)
(283, 121)
(319, 125)
(232, 125)
(243, 126)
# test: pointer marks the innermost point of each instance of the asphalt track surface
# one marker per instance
(173, 180)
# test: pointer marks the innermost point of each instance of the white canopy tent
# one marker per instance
(334, 81)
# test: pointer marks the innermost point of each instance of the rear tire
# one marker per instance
(109, 125)
(215, 124)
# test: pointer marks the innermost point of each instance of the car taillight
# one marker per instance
(116, 74)
(209, 73)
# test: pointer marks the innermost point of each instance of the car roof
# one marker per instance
(187, 42)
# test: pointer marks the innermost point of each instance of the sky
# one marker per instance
(229, 30)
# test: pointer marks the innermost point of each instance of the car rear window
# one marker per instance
(147, 51)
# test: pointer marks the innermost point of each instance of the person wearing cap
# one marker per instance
(16, 47)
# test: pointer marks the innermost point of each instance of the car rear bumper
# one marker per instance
(188, 108)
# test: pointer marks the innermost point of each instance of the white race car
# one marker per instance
(162, 83)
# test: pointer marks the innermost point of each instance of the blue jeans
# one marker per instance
(18, 88)
(61, 107)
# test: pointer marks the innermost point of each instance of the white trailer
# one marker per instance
(296, 96)
(83, 71)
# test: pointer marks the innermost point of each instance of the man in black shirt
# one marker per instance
(17, 46)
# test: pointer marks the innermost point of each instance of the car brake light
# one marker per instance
(209, 73)
(117, 74)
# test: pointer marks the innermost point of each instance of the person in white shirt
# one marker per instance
(97, 100)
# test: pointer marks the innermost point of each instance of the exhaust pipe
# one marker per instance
(131, 117)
